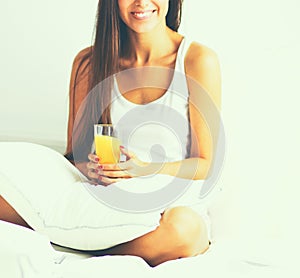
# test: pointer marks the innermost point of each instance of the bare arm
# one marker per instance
(204, 81)
(78, 90)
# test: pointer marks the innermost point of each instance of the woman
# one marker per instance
(134, 34)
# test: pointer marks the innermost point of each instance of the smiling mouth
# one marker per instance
(143, 14)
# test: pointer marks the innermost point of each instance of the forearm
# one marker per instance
(81, 166)
(191, 168)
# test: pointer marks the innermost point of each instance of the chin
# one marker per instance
(145, 29)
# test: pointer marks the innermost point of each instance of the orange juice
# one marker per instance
(107, 148)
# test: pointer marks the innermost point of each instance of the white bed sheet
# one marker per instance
(25, 253)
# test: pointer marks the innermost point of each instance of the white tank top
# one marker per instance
(158, 131)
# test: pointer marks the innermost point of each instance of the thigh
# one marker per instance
(8, 214)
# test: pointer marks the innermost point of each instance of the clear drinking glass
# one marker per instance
(107, 144)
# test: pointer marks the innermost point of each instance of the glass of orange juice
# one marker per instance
(107, 144)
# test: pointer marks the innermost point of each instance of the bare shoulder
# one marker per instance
(83, 53)
(202, 65)
(200, 57)
(81, 64)
(82, 57)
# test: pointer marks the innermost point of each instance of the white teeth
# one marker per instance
(142, 14)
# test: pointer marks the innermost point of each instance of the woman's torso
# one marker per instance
(153, 122)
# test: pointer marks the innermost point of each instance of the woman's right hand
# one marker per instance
(89, 169)
(92, 168)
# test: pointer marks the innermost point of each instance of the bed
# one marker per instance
(25, 253)
(235, 252)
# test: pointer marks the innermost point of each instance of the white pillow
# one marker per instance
(48, 192)
(25, 253)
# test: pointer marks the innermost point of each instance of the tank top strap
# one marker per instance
(179, 82)
(182, 50)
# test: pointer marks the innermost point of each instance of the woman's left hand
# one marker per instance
(132, 167)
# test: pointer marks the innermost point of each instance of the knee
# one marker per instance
(187, 229)
(183, 220)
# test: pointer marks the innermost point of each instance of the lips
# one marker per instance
(143, 14)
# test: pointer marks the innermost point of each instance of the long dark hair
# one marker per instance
(109, 45)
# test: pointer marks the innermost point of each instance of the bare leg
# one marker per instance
(182, 233)
(8, 214)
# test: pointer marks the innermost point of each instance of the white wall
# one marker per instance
(258, 45)
(39, 40)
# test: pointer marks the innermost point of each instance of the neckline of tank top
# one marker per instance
(126, 101)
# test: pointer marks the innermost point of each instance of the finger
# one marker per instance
(93, 175)
(115, 174)
(109, 167)
(127, 153)
(122, 166)
(93, 166)
(94, 158)
(108, 181)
